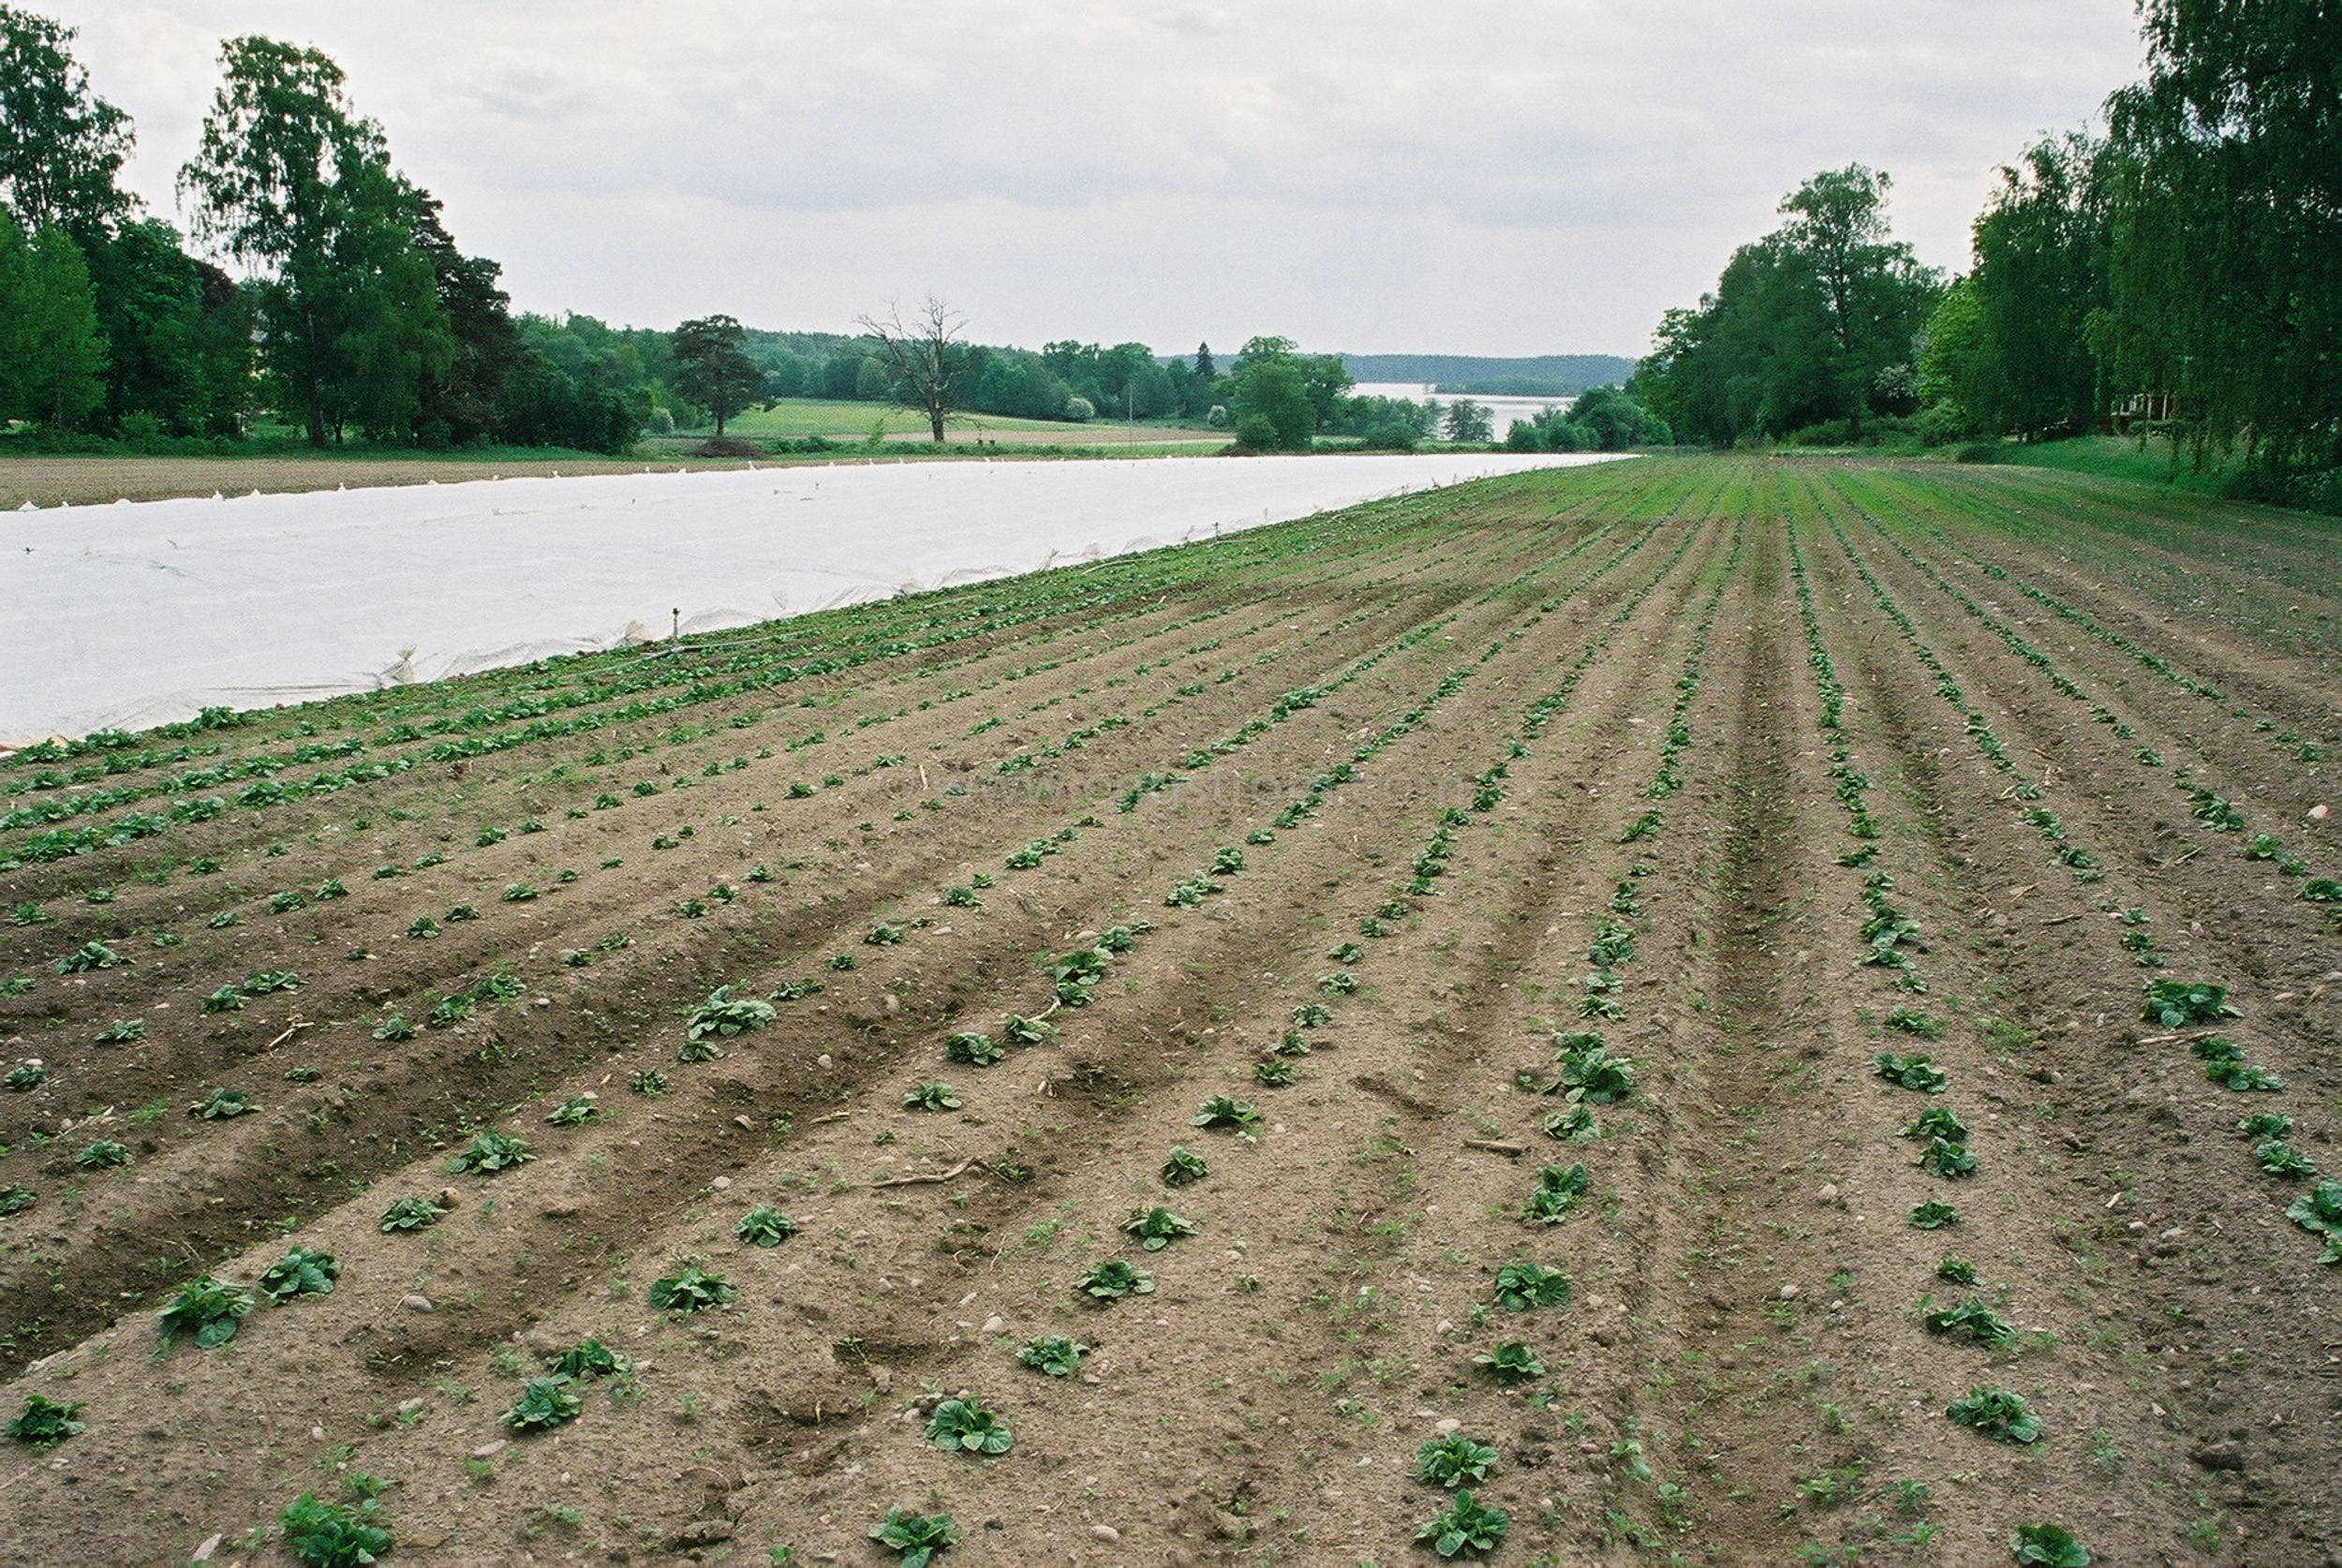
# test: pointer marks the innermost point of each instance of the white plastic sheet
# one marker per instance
(136, 615)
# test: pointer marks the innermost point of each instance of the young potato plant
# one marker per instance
(44, 1422)
(765, 1227)
(725, 1015)
(29, 1073)
(2281, 1159)
(102, 1154)
(1273, 1072)
(1028, 1031)
(933, 1096)
(489, 1152)
(1912, 1072)
(1183, 1166)
(917, 1536)
(223, 1105)
(1916, 1021)
(410, 1214)
(1934, 1216)
(2319, 1211)
(2048, 1546)
(1053, 1356)
(1522, 1284)
(1591, 1074)
(977, 1050)
(1220, 1111)
(1934, 1123)
(544, 1404)
(1957, 1271)
(1113, 1280)
(1942, 1157)
(1450, 1461)
(301, 1271)
(2178, 1004)
(964, 1426)
(393, 1027)
(1463, 1525)
(327, 1535)
(89, 956)
(588, 1358)
(1157, 1228)
(691, 1289)
(16, 1200)
(1558, 1189)
(1999, 1414)
(1573, 1123)
(1970, 1317)
(576, 1111)
(206, 1311)
(1510, 1363)
(2224, 1064)
(122, 1032)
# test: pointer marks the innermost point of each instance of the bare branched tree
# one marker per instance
(928, 358)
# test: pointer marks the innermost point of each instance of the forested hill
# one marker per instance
(1544, 376)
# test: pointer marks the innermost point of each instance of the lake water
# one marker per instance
(1503, 411)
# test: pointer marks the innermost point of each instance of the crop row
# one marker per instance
(2186, 1001)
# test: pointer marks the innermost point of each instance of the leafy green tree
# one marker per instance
(61, 145)
(1467, 421)
(1813, 322)
(1269, 397)
(1328, 379)
(1874, 294)
(60, 354)
(1950, 348)
(576, 384)
(2040, 279)
(16, 312)
(178, 331)
(1610, 419)
(713, 370)
(462, 401)
(290, 179)
(2226, 276)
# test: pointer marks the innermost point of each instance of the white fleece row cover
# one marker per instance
(141, 613)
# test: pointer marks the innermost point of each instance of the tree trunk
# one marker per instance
(935, 419)
(312, 384)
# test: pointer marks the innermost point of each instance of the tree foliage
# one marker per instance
(289, 180)
(713, 370)
(2226, 197)
(1813, 323)
(1269, 397)
(61, 145)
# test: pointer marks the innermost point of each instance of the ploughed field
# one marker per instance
(1638, 991)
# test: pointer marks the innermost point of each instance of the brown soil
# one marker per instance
(1527, 711)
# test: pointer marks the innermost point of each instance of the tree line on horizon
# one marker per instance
(2182, 266)
(359, 314)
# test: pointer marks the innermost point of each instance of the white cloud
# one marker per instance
(1510, 176)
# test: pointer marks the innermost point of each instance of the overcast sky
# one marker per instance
(1482, 176)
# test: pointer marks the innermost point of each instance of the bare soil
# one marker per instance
(1480, 770)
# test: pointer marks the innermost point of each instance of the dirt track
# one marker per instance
(1576, 751)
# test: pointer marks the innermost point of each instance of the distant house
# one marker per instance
(2148, 408)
